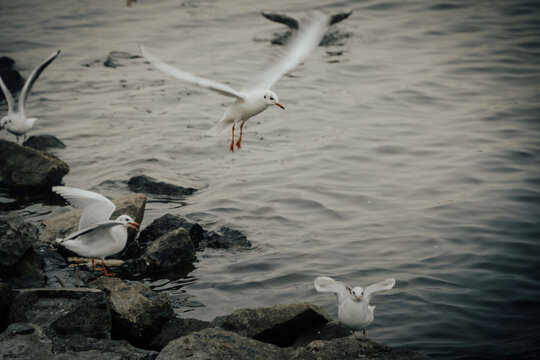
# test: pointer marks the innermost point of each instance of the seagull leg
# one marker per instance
(232, 141)
(364, 332)
(105, 269)
(93, 266)
(239, 142)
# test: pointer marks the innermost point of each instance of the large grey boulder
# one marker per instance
(66, 223)
(175, 328)
(147, 184)
(65, 310)
(281, 325)
(169, 252)
(16, 236)
(31, 341)
(24, 167)
(220, 344)
(138, 313)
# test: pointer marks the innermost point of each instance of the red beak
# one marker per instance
(281, 106)
(134, 225)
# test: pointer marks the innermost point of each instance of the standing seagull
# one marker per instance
(97, 236)
(354, 310)
(257, 97)
(15, 121)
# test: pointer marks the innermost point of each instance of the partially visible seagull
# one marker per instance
(15, 121)
(257, 97)
(97, 236)
(354, 310)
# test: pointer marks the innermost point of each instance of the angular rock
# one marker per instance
(6, 297)
(27, 273)
(31, 341)
(146, 184)
(169, 252)
(66, 223)
(16, 236)
(175, 328)
(330, 330)
(351, 348)
(43, 142)
(215, 343)
(280, 325)
(24, 167)
(226, 238)
(138, 313)
(65, 310)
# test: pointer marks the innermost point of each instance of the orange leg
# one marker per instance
(239, 142)
(105, 269)
(364, 332)
(93, 266)
(232, 141)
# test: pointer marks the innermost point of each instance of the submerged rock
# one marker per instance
(43, 142)
(138, 313)
(23, 167)
(119, 58)
(16, 236)
(146, 184)
(226, 238)
(67, 311)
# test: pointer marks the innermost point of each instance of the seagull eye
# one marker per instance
(265, 96)
(271, 98)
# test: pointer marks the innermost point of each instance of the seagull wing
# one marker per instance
(96, 227)
(96, 208)
(7, 94)
(32, 79)
(190, 78)
(339, 17)
(283, 19)
(380, 286)
(305, 40)
(327, 284)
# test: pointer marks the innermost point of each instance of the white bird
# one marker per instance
(97, 236)
(257, 97)
(354, 310)
(15, 121)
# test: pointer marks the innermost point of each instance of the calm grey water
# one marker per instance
(413, 154)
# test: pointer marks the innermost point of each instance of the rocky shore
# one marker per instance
(52, 309)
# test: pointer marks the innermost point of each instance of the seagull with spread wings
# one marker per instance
(257, 97)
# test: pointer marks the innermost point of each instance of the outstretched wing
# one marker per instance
(380, 286)
(339, 17)
(305, 40)
(189, 78)
(327, 284)
(32, 79)
(96, 208)
(282, 19)
(7, 95)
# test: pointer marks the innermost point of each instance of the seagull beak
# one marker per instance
(1, 127)
(358, 298)
(134, 225)
(281, 106)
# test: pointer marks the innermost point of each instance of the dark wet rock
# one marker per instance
(175, 328)
(215, 343)
(6, 298)
(23, 167)
(31, 341)
(330, 330)
(66, 223)
(119, 58)
(11, 77)
(138, 313)
(43, 142)
(169, 251)
(58, 272)
(27, 273)
(80, 311)
(280, 325)
(332, 36)
(146, 184)
(226, 238)
(16, 236)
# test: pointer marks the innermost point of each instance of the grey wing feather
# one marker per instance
(282, 19)
(339, 17)
(327, 284)
(101, 226)
(380, 286)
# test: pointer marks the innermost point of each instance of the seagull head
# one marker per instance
(128, 221)
(357, 292)
(270, 98)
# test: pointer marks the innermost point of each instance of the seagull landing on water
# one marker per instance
(255, 98)
(354, 310)
(15, 121)
(97, 236)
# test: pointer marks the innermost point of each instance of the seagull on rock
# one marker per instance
(354, 310)
(97, 236)
(257, 97)
(15, 121)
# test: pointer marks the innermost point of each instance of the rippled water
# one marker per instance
(411, 151)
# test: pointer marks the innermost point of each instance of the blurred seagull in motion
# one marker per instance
(15, 121)
(97, 236)
(354, 310)
(257, 97)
